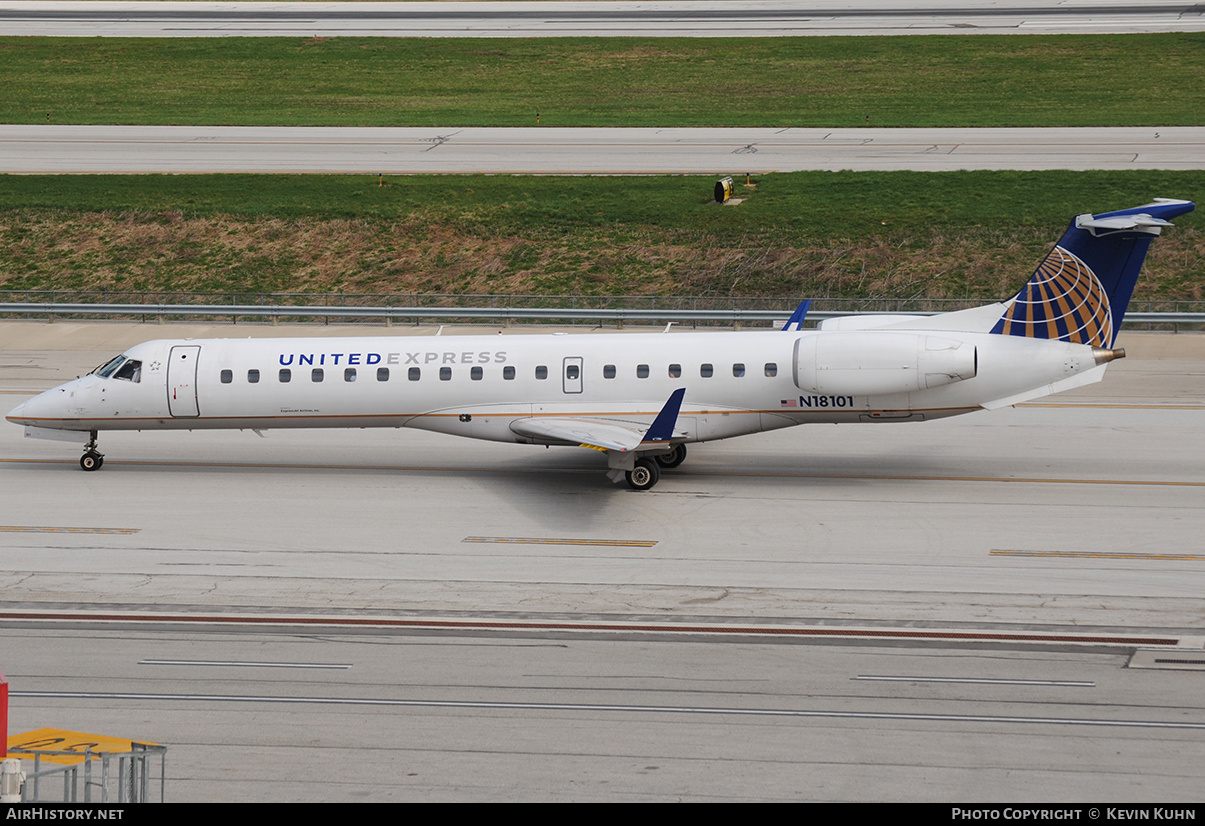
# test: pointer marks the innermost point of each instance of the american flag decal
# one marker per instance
(789, 403)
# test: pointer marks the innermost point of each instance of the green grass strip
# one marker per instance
(795, 207)
(820, 234)
(979, 80)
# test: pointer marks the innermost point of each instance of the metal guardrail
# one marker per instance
(491, 300)
(474, 313)
(274, 312)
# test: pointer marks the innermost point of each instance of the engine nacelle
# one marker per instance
(875, 364)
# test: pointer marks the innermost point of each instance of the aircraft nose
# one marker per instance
(17, 414)
(42, 406)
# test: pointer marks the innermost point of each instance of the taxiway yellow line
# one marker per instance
(1098, 555)
(56, 529)
(1091, 405)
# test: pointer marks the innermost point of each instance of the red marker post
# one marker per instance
(3, 716)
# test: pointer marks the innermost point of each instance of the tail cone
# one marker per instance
(1104, 355)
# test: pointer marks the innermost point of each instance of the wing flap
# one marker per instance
(607, 434)
(599, 434)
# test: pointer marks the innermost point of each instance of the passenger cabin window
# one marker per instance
(349, 374)
(316, 374)
(476, 374)
(253, 376)
(445, 374)
(572, 371)
(286, 375)
(227, 376)
(675, 371)
(414, 374)
(382, 374)
(642, 371)
(130, 371)
(608, 371)
(508, 373)
(706, 370)
(541, 372)
(771, 369)
(738, 370)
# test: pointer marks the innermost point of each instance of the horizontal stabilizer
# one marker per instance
(1098, 226)
(1062, 385)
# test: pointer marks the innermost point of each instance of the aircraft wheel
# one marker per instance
(91, 461)
(644, 475)
(672, 459)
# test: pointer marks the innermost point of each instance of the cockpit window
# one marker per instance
(106, 370)
(131, 370)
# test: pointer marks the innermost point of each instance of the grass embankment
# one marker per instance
(974, 80)
(899, 234)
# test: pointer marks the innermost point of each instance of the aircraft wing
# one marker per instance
(600, 434)
(606, 434)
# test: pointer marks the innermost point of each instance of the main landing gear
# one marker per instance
(92, 458)
(644, 475)
(675, 457)
(647, 471)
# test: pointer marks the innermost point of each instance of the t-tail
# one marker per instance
(1081, 290)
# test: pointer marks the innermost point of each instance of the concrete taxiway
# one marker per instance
(693, 18)
(955, 521)
(404, 150)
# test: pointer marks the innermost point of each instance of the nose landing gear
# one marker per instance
(92, 458)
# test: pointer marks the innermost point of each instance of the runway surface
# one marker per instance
(757, 18)
(370, 150)
(941, 611)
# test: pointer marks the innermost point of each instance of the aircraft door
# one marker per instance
(182, 381)
(571, 374)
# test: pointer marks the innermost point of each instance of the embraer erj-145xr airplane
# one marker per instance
(640, 399)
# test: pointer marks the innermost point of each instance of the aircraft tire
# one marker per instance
(644, 475)
(91, 461)
(672, 459)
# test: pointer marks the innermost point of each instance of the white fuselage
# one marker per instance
(481, 386)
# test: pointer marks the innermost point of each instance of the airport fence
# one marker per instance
(420, 308)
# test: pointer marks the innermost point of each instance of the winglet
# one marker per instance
(798, 316)
(662, 429)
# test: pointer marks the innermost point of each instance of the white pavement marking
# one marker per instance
(238, 664)
(990, 719)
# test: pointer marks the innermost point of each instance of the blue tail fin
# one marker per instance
(1080, 291)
